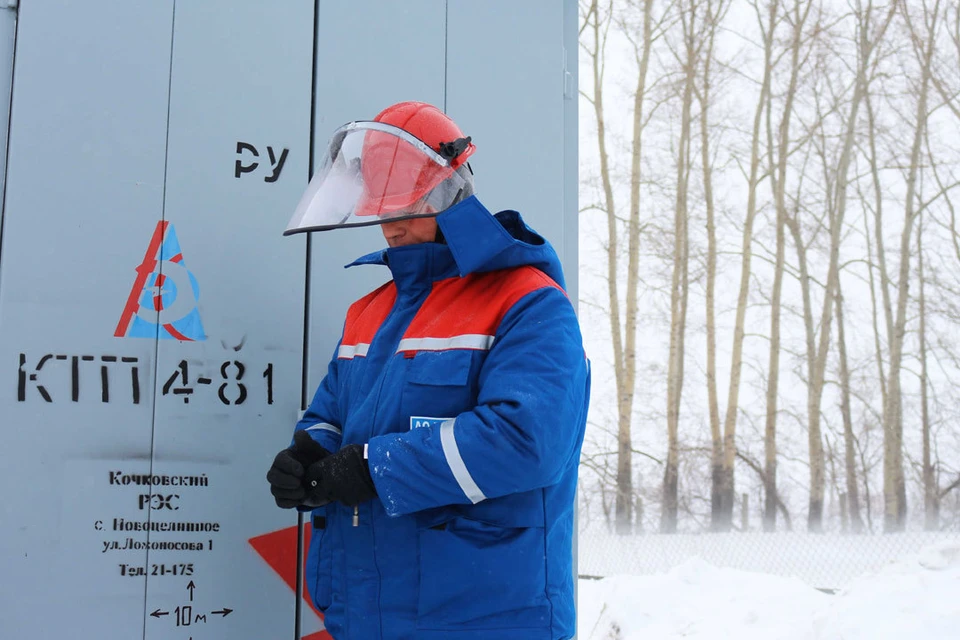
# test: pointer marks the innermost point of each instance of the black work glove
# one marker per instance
(343, 476)
(290, 465)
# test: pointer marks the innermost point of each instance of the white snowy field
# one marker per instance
(917, 596)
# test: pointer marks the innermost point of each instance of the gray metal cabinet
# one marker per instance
(152, 317)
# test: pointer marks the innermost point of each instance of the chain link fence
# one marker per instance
(826, 561)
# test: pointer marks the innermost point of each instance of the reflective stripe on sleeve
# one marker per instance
(466, 341)
(323, 426)
(349, 351)
(455, 462)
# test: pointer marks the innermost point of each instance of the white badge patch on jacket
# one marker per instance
(418, 422)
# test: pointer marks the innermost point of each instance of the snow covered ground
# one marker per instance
(915, 597)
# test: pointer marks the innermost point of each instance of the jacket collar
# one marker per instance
(475, 237)
(414, 267)
(476, 242)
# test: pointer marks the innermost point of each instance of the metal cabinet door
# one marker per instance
(84, 187)
(228, 388)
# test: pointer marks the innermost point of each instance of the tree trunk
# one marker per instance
(852, 496)
(725, 520)
(931, 498)
(623, 319)
(624, 360)
(881, 264)
(680, 281)
(881, 250)
(894, 484)
(866, 46)
(778, 178)
(716, 437)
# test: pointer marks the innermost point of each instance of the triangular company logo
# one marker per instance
(163, 300)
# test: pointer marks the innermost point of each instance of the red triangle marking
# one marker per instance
(279, 550)
(143, 272)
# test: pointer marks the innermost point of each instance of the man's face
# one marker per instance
(410, 231)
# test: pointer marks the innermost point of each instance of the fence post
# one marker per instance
(744, 511)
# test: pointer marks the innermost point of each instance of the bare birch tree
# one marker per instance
(597, 22)
(693, 23)
(715, 13)
(894, 484)
(930, 471)
(880, 267)
(779, 160)
(723, 512)
(931, 499)
(835, 181)
(849, 458)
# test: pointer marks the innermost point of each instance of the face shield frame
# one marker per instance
(342, 184)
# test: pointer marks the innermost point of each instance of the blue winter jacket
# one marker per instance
(466, 377)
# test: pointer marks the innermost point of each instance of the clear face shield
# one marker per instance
(375, 173)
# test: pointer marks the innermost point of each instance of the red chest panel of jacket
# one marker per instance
(458, 313)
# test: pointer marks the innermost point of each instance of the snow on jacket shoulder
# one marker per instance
(466, 377)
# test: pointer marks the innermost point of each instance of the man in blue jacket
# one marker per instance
(440, 452)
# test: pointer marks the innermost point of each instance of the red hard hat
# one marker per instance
(430, 125)
(391, 168)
